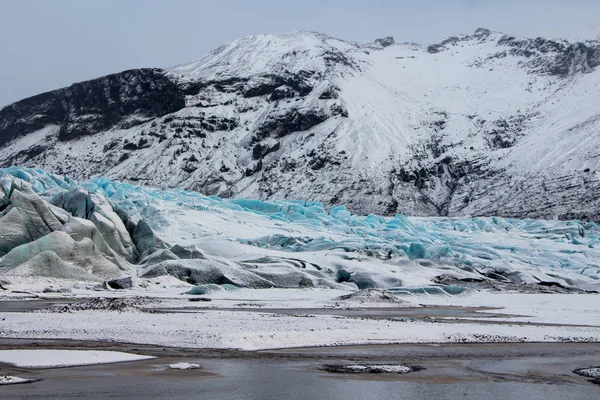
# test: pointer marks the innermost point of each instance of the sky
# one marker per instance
(48, 44)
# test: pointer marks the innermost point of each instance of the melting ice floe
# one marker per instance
(265, 243)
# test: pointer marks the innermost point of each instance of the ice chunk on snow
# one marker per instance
(591, 372)
(12, 380)
(184, 365)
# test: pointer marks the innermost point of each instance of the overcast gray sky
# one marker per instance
(47, 44)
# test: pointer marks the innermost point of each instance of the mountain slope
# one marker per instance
(480, 124)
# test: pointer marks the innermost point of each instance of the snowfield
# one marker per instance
(227, 321)
(64, 358)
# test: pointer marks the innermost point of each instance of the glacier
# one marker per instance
(102, 229)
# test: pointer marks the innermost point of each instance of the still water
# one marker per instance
(284, 379)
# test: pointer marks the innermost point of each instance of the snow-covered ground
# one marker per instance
(226, 322)
(154, 249)
(64, 358)
(575, 309)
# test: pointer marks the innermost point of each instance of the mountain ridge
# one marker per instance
(477, 124)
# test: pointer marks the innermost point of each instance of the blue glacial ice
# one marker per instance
(494, 247)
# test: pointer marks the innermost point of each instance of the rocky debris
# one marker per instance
(122, 283)
(51, 289)
(591, 372)
(505, 132)
(199, 299)
(371, 369)
(118, 304)
(372, 296)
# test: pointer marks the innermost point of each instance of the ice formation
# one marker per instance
(184, 366)
(103, 229)
(591, 372)
(65, 358)
(12, 380)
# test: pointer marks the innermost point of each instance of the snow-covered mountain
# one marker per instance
(479, 124)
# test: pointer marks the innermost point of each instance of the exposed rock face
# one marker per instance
(476, 124)
(559, 58)
(385, 42)
(94, 106)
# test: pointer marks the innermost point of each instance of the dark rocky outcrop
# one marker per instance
(89, 107)
(480, 34)
(385, 42)
(292, 121)
(437, 184)
(553, 57)
(121, 283)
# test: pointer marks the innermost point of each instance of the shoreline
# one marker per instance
(434, 350)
